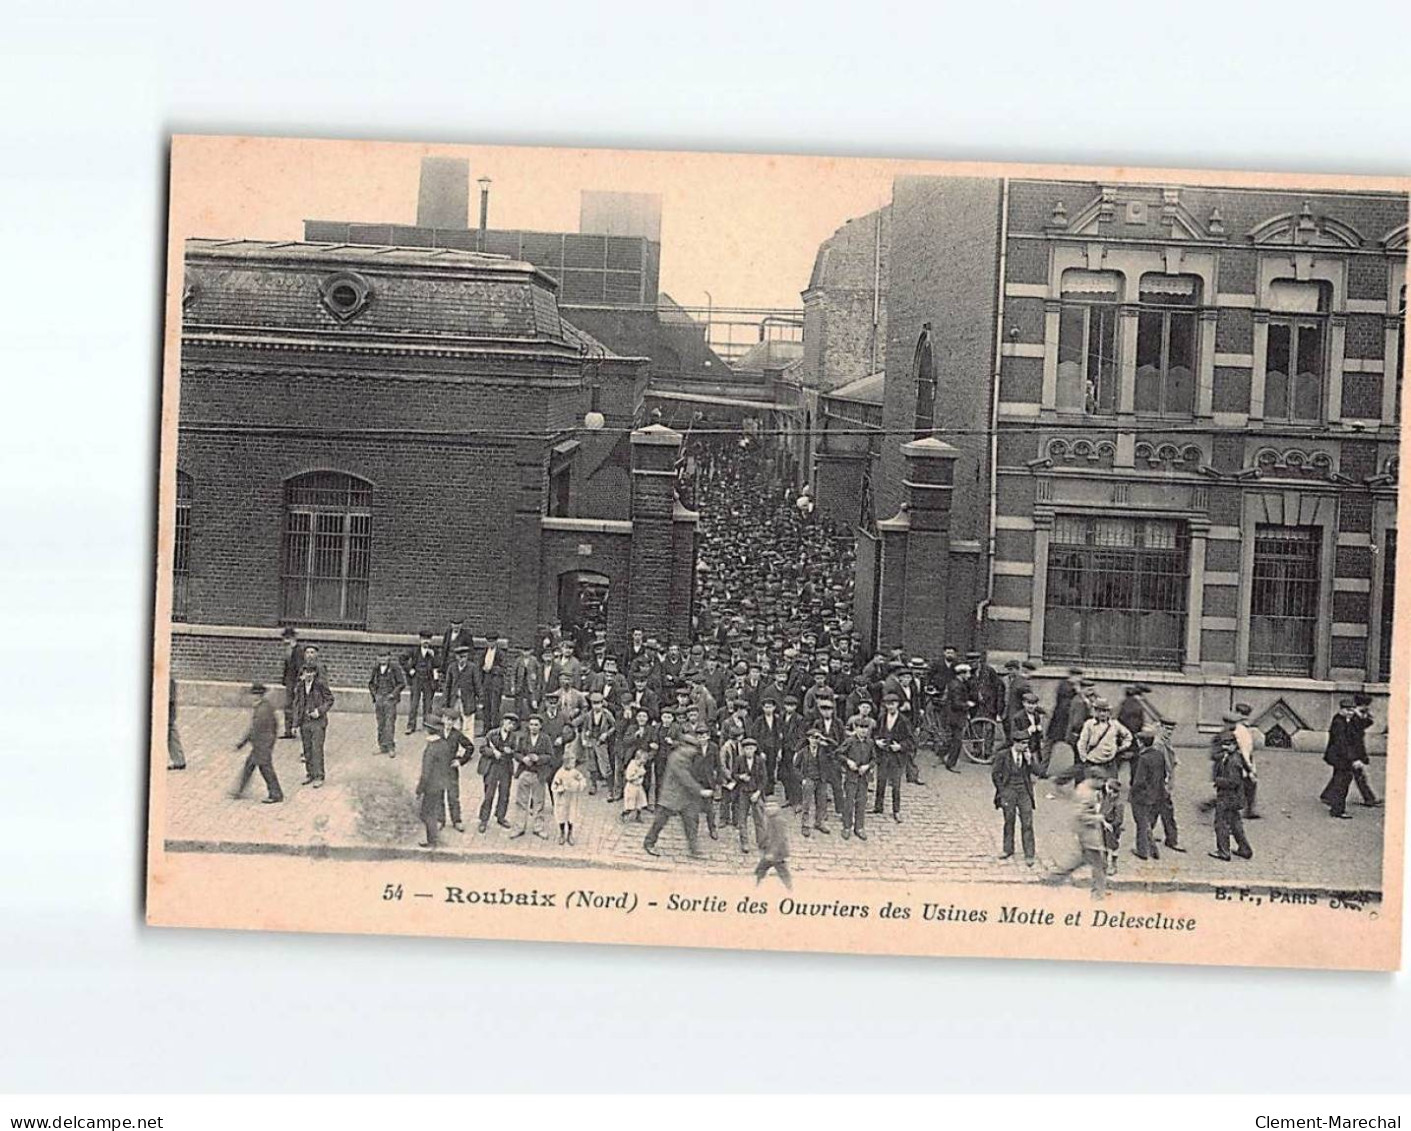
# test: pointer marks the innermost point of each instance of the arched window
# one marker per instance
(923, 370)
(327, 549)
(181, 552)
(1168, 342)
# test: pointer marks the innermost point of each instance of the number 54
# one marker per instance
(392, 891)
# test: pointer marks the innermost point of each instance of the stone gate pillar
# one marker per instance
(914, 598)
(663, 557)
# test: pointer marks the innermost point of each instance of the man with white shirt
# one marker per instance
(1238, 722)
(491, 680)
(1102, 742)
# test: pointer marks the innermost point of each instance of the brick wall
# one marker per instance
(839, 339)
(943, 271)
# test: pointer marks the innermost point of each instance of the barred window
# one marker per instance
(1168, 336)
(1117, 591)
(327, 549)
(1283, 610)
(1295, 358)
(181, 552)
(1087, 342)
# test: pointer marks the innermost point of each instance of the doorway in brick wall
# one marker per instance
(583, 604)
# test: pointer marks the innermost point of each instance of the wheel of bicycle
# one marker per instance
(931, 733)
(978, 741)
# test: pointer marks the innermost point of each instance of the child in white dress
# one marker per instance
(567, 789)
(634, 796)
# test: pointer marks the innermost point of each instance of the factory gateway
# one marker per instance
(1151, 431)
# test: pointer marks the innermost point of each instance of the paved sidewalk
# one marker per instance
(949, 831)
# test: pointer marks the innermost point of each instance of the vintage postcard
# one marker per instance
(781, 553)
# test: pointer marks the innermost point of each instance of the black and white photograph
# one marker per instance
(643, 517)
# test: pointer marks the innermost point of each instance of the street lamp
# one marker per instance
(710, 307)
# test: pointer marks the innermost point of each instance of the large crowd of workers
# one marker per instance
(773, 707)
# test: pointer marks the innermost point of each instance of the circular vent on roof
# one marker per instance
(345, 295)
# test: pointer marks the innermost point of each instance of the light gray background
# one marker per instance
(89, 999)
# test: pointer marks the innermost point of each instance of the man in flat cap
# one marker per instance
(312, 702)
(462, 686)
(1345, 751)
(681, 795)
(454, 637)
(260, 737)
(535, 764)
(1148, 791)
(1102, 742)
(496, 769)
(490, 679)
(385, 684)
(423, 671)
(1244, 739)
(957, 701)
(894, 744)
(1012, 775)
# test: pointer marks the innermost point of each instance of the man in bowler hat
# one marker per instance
(260, 737)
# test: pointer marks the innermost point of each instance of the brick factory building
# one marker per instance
(373, 439)
(1151, 431)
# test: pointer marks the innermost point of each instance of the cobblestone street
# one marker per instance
(950, 831)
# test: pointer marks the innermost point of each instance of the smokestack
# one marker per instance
(444, 197)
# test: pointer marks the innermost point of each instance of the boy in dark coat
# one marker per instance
(1228, 774)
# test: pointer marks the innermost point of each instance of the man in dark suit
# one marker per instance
(536, 677)
(260, 738)
(943, 670)
(682, 794)
(956, 702)
(385, 685)
(1062, 706)
(293, 666)
(496, 767)
(894, 743)
(793, 736)
(454, 637)
(1013, 778)
(1345, 753)
(491, 679)
(423, 671)
(1148, 791)
(436, 759)
(312, 702)
(1017, 685)
(1026, 725)
(462, 682)
(834, 735)
(1363, 703)
(770, 736)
